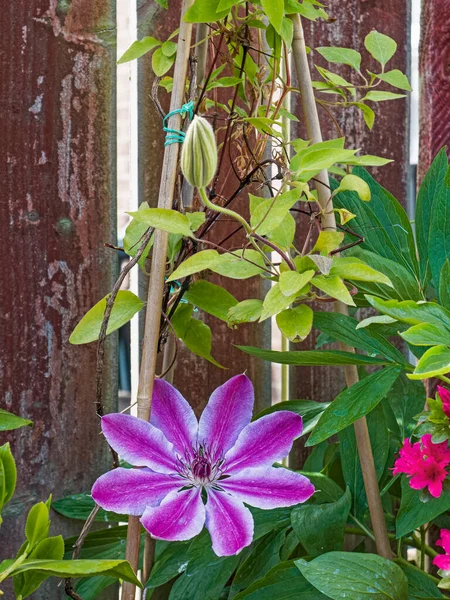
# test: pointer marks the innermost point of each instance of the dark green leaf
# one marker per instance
(310, 358)
(413, 313)
(355, 576)
(420, 584)
(354, 403)
(406, 399)
(171, 562)
(126, 305)
(327, 490)
(8, 421)
(439, 238)
(309, 410)
(444, 285)
(320, 527)
(413, 512)
(211, 298)
(79, 506)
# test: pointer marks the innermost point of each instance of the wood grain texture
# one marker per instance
(434, 70)
(57, 143)
(351, 21)
(195, 377)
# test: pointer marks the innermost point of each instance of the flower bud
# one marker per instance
(199, 153)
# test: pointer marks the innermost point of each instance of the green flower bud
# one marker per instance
(199, 153)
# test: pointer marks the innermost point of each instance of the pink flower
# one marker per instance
(425, 463)
(224, 458)
(443, 560)
(444, 395)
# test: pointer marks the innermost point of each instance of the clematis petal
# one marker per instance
(264, 441)
(179, 517)
(139, 443)
(130, 491)
(442, 562)
(229, 523)
(268, 487)
(228, 411)
(173, 415)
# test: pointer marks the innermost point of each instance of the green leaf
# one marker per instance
(406, 399)
(37, 524)
(368, 114)
(27, 583)
(353, 403)
(239, 264)
(274, 10)
(413, 512)
(311, 161)
(283, 235)
(368, 576)
(169, 48)
(138, 49)
(126, 305)
(396, 78)
(327, 490)
(428, 194)
(8, 473)
(368, 161)
(439, 239)
(353, 269)
(342, 56)
(247, 311)
(435, 361)
(165, 219)
(380, 96)
(345, 329)
(211, 298)
(194, 264)
(380, 46)
(120, 569)
(351, 466)
(426, 334)
(204, 11)
(296, 323)
(420, 584)
(333, 286)
(320, 527)
(353, 183)
(377, 320)
(8, 421)
(133, 234)
(275, 301)
(283, 582)
(195, 334)
(309, 410)
(79, 506)
(328, 241)
(444, 285)
(267, 215)
(413, 313)
(291, 282)
(311, 358)
(169, 564)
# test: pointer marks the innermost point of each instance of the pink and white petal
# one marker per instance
(442, 562)
(228, 411)
(179, 517)
(173, 415)
(229, 523)
(263, 442)
(268, 487)
(130, 491)
(139, 443)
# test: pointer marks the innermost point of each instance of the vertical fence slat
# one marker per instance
(434, 71)
(389, 137)
(57, 170)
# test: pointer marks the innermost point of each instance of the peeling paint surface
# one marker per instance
(57, 146)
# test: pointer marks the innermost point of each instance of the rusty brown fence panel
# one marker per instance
(435, 81)
(57, 172)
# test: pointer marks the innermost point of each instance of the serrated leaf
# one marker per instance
(126, 305)
(380, 46)
(138, 49)
(343, 56)
(296, 323)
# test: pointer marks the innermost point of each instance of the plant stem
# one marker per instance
(156, 283)
(221, 209)
(329, 223)
(422, 548)
(7, 572)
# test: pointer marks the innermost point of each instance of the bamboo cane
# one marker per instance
(329, 223)
(156, 283)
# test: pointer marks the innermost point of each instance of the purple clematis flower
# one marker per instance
(225, 458)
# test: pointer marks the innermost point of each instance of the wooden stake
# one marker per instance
(329, 223)
(158, 268)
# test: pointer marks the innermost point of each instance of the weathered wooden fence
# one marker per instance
(57, 168)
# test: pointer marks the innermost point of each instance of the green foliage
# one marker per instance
(366, 575)
(126, 305)
(211, 298)
(413, 512)
(311, 358)
(139, 48)
(9, 421)
(8, 476)
(380, 46)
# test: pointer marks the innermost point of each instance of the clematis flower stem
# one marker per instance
(329, 224)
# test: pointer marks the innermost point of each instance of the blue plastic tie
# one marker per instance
(174, 136)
